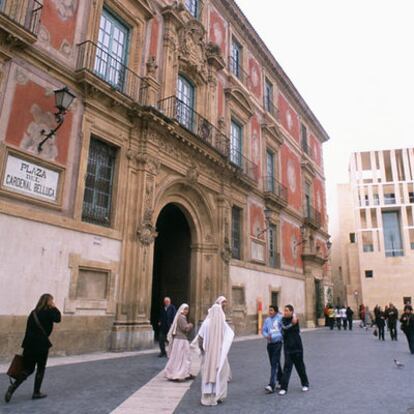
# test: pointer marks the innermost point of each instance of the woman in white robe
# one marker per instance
(179, 357)
(215, 338)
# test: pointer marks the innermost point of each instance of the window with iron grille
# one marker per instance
(192, 7)
(97, 200)
(236, 133)
(235, 59)
(304, 136)
(185, 102)
(236, 232)
(273, 259)
(268, 96)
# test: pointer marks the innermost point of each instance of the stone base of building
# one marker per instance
(310, 324)
(75, 335)
(134, 337)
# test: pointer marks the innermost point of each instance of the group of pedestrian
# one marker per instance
(284, 331)
(339, 316)
(387, 317)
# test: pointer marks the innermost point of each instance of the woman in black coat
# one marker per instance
(36, 344)
(380, 322)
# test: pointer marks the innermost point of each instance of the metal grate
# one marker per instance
(236, 232)
(25, 13)
(97, 199)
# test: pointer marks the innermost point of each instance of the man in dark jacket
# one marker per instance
(349, 317)
(165, 321)
(392, 318)
(292, 344)
(36, 344)
(407, 326)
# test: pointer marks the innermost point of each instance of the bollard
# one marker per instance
(259, 316)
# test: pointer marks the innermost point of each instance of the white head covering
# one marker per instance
(212, 333)
(220, 300)
(173, 328)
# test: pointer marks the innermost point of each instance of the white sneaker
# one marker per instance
(282, 392)
(304, 389)
(269, 389)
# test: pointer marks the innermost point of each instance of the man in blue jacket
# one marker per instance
(272, 332)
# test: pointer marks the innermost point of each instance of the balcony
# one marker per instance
(193, 122)
(313, 217)
(389, 199)
(271, 108)
(101, 70)
(21, 19)
(236, 69)
(307, 149)
(244, 165)
(275, 192)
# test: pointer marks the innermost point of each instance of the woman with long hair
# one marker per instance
(36, 344)
(179, 362)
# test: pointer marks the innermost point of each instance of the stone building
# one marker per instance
(373, 233)
(187, 165)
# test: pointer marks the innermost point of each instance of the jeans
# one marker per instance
(392, 326)
(338, 323)
(345, 322)
(381, 332)
(274, 350)
(350, 324)
(410, 339)
(295, 359)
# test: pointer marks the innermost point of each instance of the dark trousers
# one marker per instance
(410, 339)
(331, 323)
(274, 350)
(350, 324)
(162, 339)
(295, 359)
(31, 361)
(381, 332)
(392, 326)
(338, 323)
(345, 322)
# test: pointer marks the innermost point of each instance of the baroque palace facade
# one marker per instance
(188, 165)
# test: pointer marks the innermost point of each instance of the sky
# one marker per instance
(353, 63)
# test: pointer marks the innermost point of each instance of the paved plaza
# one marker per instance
(350, 373)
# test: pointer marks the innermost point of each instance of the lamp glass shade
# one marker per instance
(63, 98)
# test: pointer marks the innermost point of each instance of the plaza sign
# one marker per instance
(31, 179)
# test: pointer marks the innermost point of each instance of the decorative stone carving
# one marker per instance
(147, 232)
(192, 173)
(151, 66)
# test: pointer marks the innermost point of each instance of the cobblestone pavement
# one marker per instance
(350, 373)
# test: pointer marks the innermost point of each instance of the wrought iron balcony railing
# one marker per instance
(174, 108)
(95, 60)
(248, 167)
(236, 69)
(273, 186)
(24, 13)
(313, 217)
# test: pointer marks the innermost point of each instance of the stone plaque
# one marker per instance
(22, 176)
(92, 284)
(258, 251)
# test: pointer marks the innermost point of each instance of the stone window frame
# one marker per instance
(72, 304)
(243, 307)
(277, 290)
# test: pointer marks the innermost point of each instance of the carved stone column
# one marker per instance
(151, 87)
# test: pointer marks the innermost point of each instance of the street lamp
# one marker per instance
(268, 215)
(63, 99)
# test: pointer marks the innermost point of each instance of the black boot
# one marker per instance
(12, 388)
(37, 384)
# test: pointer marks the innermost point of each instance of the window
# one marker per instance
(235, 59)
(111, 52)
(308, 200)
(270, 171)
(369, 273)
(407, 300)
(368, 248)
(376, 200)
(192, 7)
(236, 232)
(411, 197)
(392, 233)
(97, 200)
(352, 237)
(236, 143)
(273, 256)
(304, 138)
(389, 198)
(268, 97)
(185, 103)
(274, 298)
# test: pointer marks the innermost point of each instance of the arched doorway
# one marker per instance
(172, 260)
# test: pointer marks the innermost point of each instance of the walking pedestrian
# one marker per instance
(166, 318)
(331, 316)
(272, 332)
(362, 315)
(407, 326)
(293, 350)
(392, 318)
(214, 339)
(349, 317)
(338, 317)
(36, 344)
(380, 322)
(179, 362)
(344, 320)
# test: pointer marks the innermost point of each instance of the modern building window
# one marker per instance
(369, 273)
(192, 7)
(236, 134)
(392, 233)
(268, 97)
(352, 237)
(270, 171)
(236, 214)
(185, 102)
(376, 200)
(389, 198)
(111, 52)
(411, 197)
(97, 200)
(236, 59)
(273, 256)
(368, 248)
